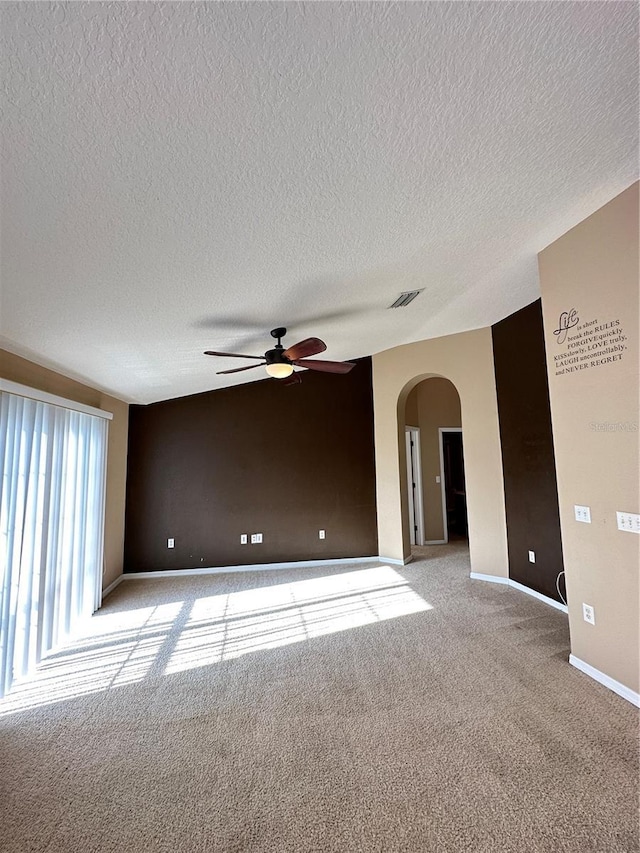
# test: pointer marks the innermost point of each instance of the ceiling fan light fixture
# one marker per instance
(279, 370)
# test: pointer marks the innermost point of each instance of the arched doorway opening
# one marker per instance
(467, 361)
(436, 503)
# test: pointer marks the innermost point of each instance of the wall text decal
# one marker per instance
(586, 345)
(568, 319)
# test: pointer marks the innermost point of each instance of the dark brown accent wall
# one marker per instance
(531, 491)
(284, 461)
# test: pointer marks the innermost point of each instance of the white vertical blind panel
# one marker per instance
(52, 505)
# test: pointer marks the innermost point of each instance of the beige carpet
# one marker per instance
(350, 708)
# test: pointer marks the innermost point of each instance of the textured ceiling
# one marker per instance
(185, 176)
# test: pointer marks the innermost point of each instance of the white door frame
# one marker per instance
(414, 476)
(445, 526)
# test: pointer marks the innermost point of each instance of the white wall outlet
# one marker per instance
(629, 521)
(243, 538)
(583, 513)
(171, 543)
(256, 538)
(437, 479)
(532, 556)
(321, 534)
(588, 614)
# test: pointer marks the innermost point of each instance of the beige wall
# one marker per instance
(432, 404)
(17, 369)
(594, 270)
(467, 361)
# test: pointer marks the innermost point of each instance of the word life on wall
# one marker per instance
(587, 345)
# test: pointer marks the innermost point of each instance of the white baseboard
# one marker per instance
(436, 542)
(112, 586)
(607, 681)
(521, 587)
(258, 567)
(550, 601)
(476, 576)
(394, 562)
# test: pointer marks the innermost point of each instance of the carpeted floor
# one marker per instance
(352, 708)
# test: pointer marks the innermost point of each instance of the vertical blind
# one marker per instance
(52, 493)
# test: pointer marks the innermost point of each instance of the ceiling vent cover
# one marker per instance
(405, 298)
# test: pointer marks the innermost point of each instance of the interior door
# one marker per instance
(414, 486)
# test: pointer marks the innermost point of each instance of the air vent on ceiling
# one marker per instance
(405, 298)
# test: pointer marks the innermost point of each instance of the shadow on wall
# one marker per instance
(432, 459)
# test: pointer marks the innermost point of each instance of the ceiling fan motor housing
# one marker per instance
(276, 356)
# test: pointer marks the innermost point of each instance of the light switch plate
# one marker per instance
(243, 538)
(629, 521)
(321, 534)
(532, 556)
(583, 513)
(171, 543)
(256, 538)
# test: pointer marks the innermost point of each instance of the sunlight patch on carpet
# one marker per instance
(226, 626)
(109, 651)
(125, 647)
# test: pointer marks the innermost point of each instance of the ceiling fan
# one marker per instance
(279, 362)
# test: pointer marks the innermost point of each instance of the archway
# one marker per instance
(434, 462)
(466, 360)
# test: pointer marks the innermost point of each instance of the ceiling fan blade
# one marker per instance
(234, 355)
(305, 348)
(239, 369)
(324, 366)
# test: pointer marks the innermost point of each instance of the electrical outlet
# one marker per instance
(583, 513)
(588, 614)
(532, 556)
(243, 538)
(171, 543)
(321, 534)
(256, 538)
(437, 479)
(629, 521)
